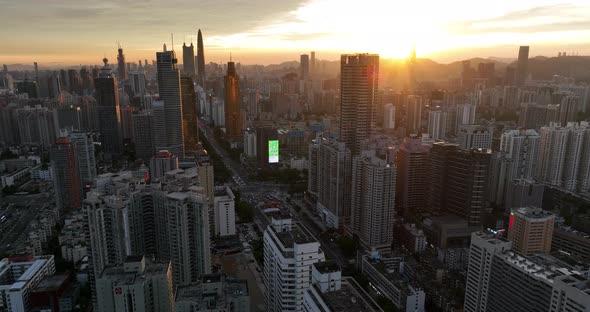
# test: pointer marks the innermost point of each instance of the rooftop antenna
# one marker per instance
(172, 36)
(118, 44)
(230, 56)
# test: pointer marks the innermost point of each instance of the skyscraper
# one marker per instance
(121, 66)
(189, 115)
(373, 199)
(143, 122)
(201, 60)
(304, 67)
(359, 98)
(188, 60)
(475, 136)
(412, 177)
(107, 108)
(437, 124)
(170, 92)
(233, 120)
(66, 175)
(312, 65)
(522, 65)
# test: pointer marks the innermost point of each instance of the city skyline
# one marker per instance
(265, 33)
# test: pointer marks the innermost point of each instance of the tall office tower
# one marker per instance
(107, 108)
(189, 116)
(312, 65)
(75, 82)
(159, 125)
(69, 117)
(359, 81)
(126, 112)
(201, 60)
(136, 285)
(569, 109)
(224, 211)
(475, 136)
(389, 116)
(414, 104)
(522, 65)
(437, 124)
(531, 229)
(85, 154)
(304, 67)
(466, 187)
(187, 235)
(188, 60)
(137, 84)
(373, 199)
(264, 136)
(233, 120)
(37, 125)
(170, 93)
(313, 166)
(412, 177)
(121, 69)
(19, 276)
(484, 246)
(161, 163)
(563, 156)
(465, 114)
(143, 122)
(88, 113)
(436, 201)
(66, 175)
(333, 176)
(289, 253)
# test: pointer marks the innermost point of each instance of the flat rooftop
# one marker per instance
(350, 298)
(51, 283)
(327, 266)
(297, 235)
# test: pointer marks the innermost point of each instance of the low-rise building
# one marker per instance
(19, 276)
(574, 243)
(214, 293)
(412, 238)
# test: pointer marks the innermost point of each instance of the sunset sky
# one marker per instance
(263, 31)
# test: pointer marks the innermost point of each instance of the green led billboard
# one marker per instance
(273, 151)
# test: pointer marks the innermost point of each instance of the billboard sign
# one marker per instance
(273, 151)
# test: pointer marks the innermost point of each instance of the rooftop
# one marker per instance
(52, 283)
(350, 298)
(533, 213)
(327, 266)
(297, 235)
(540, 266)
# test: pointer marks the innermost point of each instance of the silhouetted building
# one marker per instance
(66, 175)
(201, 60)
(188, 60)
(412, 177)
(189, 115)
(170, 92)
(121, 69)
(233, 120)
(107, 108)
(522, 65)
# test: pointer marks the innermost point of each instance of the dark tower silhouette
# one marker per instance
(188, 60)
(121, 69)
(522, 65)
(201, 60)
(107, 108)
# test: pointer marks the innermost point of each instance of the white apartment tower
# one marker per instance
(475, 136)
(373, 199)
(289, 253)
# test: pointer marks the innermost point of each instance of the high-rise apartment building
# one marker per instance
(359, 81)
(188, 60)
(414, 106)
(373, 199)
(85, 153)
(436, 201)
(162, 162)
(289, 254)
(475, 136)
(66, 174)
(214, 292)
(389, 116)
(224, 211)
(189, 116)
(437, 124)
(412, 177)
(170, 92)
(136, 285)
(107, 109)
(522, 193)
(233, 118)
(531, 230)
(563, 156)
(36, 125)
(465, 114)
(522, 65)
(331, 170)
(304, 67)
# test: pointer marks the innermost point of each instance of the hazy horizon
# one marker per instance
(71, 32)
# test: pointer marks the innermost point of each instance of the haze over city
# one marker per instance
(265, 32)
